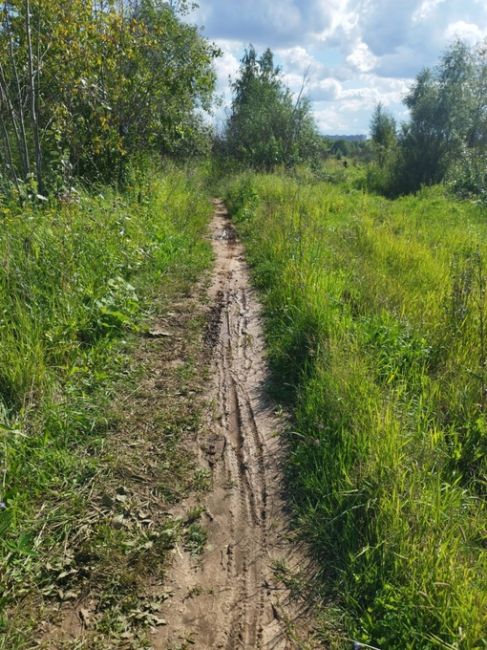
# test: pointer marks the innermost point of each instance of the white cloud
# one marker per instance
(298, 59)
(265, 22)
(353, 53)
(228, 64)
(329, 121)
(468, 32)
(362, 58)
(425, 9)
(325, 90)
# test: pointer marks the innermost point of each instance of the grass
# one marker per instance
(78, 280)
(376, 325)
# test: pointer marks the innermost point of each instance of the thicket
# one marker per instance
(92, 96)
(445, 139)
(85, 86)
(376, 326)
(267, 126)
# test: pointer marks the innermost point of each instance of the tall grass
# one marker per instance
(76, 277)
(376, 323)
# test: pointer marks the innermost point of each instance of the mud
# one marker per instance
(229, 596)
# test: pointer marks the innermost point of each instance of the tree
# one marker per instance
(267, 126)
(448, 124)
(86, 85)
(383, 133)
(341, 148)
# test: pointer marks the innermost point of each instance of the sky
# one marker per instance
(354, 53)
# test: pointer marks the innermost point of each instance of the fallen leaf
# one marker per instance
(70, 595)
(84, 616)
(158, 333)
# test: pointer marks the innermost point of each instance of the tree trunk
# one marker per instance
(33, 95)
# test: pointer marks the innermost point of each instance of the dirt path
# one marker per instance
(229, 597)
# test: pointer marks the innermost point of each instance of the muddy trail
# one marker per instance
(232, 595)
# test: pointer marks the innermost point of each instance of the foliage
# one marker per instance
(77, 277)
(86, 85)
(375, 319)
(267, 127)
(383, 133)
(467, 177)
(448, 126)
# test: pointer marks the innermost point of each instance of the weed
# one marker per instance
(376, 327)
(195, 538)
(76, 282)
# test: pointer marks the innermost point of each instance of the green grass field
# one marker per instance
(376, 316)
(376, 321)
(77, 279)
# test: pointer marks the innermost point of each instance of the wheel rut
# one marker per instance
(229, 597)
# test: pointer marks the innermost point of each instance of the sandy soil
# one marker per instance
(229, 596)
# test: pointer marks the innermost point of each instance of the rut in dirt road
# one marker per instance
(229, 597)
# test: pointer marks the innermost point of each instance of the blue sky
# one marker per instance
(355, 52)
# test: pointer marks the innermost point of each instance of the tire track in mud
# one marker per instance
(229, 598)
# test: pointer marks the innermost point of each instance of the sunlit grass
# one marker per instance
(76, 278)
(376, 316)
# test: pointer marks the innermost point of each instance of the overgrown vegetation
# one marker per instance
(84, 86)
(376, 315)
(446, 136)
(77, 279)
(93, 95)
(268, 126)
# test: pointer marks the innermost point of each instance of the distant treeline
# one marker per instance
(347, 138)
(269, 127)
(445, 139)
